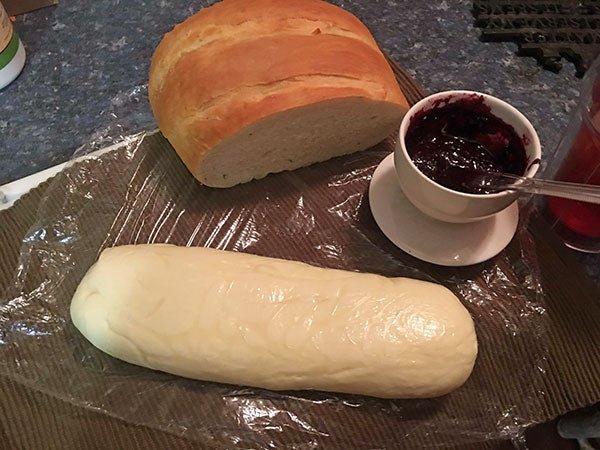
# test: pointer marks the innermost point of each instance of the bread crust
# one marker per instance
(236, 20)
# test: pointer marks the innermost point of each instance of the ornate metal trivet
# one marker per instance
(546, 30)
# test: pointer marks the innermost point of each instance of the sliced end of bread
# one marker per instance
(298, 137)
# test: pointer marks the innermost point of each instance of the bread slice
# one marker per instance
(297, 137)
(308, 84)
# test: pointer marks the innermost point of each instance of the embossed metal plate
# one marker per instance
(546, 30)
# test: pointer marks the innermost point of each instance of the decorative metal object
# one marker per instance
(547, 30)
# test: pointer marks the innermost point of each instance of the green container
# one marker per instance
(12, 52)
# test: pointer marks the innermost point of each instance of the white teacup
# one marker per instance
(446, 204)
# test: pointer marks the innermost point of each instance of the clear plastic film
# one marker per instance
(141, 193)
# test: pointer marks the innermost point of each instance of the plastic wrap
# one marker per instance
(141, 193)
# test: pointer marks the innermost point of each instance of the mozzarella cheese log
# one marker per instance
(243, 319)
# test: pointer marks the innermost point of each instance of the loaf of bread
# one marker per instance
(245, 88)
(282, 325)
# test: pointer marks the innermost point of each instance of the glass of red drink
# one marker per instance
(578, 156)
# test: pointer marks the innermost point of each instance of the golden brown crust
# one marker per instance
(236, 11)
(224, 20)
(210, 72)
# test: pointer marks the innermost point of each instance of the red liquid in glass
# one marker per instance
(581, 165)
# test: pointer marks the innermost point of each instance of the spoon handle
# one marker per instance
(575, 191)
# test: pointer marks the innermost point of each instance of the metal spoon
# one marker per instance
(575, 191)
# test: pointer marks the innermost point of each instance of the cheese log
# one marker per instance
(282, 325)
(245, 88)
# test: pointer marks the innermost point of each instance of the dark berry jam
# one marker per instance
(454, 144)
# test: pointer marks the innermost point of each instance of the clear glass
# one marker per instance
(578, 160)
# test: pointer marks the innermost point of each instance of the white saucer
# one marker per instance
(446, 244)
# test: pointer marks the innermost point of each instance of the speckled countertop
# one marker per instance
(86, 72)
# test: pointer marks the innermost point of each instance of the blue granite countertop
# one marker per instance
(87, 66)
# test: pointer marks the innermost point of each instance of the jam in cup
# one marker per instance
(449, 139)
